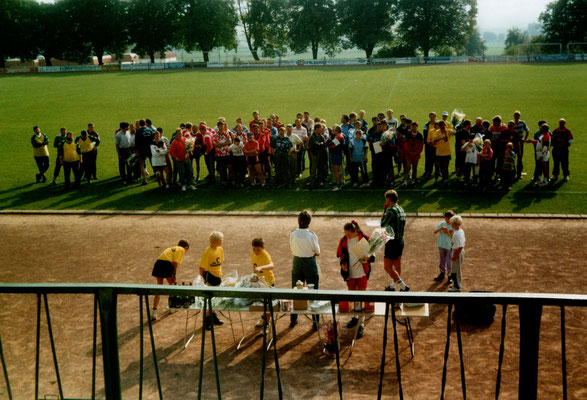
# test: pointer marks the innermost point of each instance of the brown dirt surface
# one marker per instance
(502, 255)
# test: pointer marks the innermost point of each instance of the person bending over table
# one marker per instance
(304, 249)
(166, 268)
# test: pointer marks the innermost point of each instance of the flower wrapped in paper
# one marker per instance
(457, 117)
(367, 248)
(132, 160)
(388, 137)
(189, 145)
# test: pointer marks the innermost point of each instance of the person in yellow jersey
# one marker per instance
(70, 156)
(262, 267)
(86, 144)
(442, 140)
(41, 152)
(166, 268)
(211, 269)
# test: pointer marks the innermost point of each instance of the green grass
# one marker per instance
(72, 100)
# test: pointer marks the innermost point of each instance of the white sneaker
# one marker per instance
(336, 188)
(567, 178)
(154, 314)
(184, 188)
(260, 323)
(192, 187)
(454, 289)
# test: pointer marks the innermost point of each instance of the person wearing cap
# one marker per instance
(441, 139)
(562, 138)
(523, 132)
(297, 146)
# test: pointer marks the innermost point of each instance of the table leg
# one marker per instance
(238, 346)
(410, 335)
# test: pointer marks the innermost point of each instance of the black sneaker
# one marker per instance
(216, 321)
(407, 289)
(352, 323)
(361, 332)
(389, 289)
(439, 277)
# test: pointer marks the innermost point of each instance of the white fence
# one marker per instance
(298, 63)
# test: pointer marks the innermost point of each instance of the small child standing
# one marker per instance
(358, 149)
(485, 165)
(444, 231)
(262, 267)
(211, 269)
(458, 253)
(471, 158)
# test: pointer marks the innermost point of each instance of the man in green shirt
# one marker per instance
(58, 144)
(394, 217)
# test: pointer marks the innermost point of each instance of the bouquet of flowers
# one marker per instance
(456, 117)
(189, 145)
(387, 137)
(378, 238)
(132, 160)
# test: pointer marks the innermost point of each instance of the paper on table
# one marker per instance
(361, 249)
(377, 147)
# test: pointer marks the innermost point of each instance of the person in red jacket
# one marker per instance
(562, 138)
(413, 146)
(180, 154)
(354, 271)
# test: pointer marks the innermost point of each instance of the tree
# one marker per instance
(154, 26)
(15, 25)
(313, 23)
(436, 24)
(475, 46)
(207, 24)
(514, 38)
(366, 25)
(565, 21)
(50, 31)
(263, 22)
(395, 49)
(105, 23)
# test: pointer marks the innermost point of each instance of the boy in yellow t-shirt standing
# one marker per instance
(211, 268)
(262, 267)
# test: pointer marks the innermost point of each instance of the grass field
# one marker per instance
(72, 100)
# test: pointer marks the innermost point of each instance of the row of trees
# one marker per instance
(563, 22)
(74, 30)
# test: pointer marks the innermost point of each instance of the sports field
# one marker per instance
(72, 100)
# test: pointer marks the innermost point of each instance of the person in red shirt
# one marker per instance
(255, 119)
(181, 160)
(251, 150)
(562, 138)
(208, 150)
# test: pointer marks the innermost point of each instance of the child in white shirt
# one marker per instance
(458, 253)
(238, 161)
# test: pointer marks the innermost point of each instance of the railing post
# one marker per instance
(107, 299)
(530, 315)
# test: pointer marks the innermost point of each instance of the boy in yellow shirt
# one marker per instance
(211, 268)
(166, 268)
(262, 267)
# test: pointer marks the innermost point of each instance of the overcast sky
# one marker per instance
(500, 15)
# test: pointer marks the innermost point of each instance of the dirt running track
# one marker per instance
(501, 256)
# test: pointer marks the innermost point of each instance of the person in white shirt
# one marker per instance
(458, 253)
(159, 161)
(392, 122)
(304, 249)
(300, 131)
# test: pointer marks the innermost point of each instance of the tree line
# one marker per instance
(75, 30)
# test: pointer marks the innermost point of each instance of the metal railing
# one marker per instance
(105, 306)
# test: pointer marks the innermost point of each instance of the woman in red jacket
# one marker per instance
(354, 271)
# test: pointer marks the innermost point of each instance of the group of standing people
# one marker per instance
(77, 155)
(267, 151)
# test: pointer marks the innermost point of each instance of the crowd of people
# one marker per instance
(355, 267)
(266, 151)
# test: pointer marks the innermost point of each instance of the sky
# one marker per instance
(501, 15)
